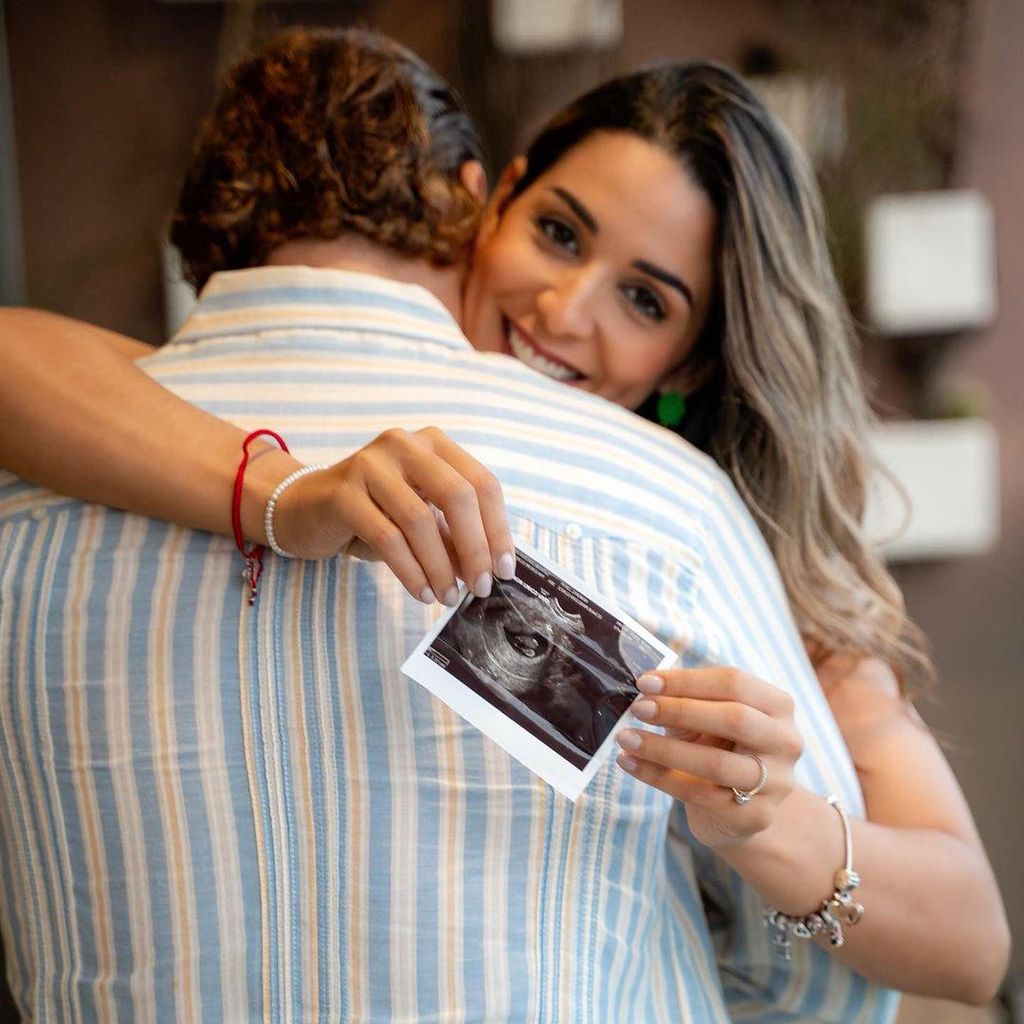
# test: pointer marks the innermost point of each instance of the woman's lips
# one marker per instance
(526, 350)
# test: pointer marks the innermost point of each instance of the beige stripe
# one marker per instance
(572, 922)
(80, 759)
(450, 820)
(325, 696)
(245, 687)
(538, 827)
(274, 767)
(302, 784)
(356, 825)
(211, 694)
(396, 702)
(30, 501)
(309, 320)
(561, 809)
(498, 993)
(119, 689)
(180, 881)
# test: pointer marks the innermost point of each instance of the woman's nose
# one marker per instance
(567, 305)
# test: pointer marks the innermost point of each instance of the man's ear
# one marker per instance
(474, 179)
(502, 194)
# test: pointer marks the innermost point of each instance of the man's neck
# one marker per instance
(361, 256)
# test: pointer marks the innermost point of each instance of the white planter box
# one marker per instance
(950, 472)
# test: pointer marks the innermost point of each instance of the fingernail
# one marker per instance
(645, 709)
(427, 596)
(629, 739)
(506, 566)
(627, 763)
(482, 587)
(650, 684)
(451, 597)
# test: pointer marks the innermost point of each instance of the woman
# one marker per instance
(660, 240)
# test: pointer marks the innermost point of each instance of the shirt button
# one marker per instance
(574, 531)
(38, 513)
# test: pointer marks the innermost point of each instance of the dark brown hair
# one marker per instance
(323, 132)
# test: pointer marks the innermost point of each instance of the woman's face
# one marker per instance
(600, 273)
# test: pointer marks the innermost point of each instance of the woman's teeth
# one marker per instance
(526, 353)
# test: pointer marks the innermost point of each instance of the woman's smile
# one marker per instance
(525, 348)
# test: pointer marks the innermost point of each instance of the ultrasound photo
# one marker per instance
(551, 661)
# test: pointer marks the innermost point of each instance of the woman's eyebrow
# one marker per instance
(648, 268)
(577, 207)
(663, 275)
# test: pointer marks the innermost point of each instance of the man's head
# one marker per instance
(322, 134)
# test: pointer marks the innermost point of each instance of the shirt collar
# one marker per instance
(286, 298)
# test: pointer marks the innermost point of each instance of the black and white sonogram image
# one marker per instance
(547, 657)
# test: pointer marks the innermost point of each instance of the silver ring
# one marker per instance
(744, 796)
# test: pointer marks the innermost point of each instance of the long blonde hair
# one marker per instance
(791, 416)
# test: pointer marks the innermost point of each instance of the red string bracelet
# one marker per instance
(254, 555)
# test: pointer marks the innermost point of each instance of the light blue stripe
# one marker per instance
(320, 297)
(186, 686)
(148, 769)
(378, 795)
(100, 761)
(319, 572)
(335, 682)
(290, 930)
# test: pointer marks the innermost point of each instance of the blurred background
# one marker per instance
(912, 113)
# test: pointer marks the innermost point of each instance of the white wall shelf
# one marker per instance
(950, 471)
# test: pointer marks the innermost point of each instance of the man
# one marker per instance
(217, 811)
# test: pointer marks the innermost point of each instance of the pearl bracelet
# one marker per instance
(268, 514)
(834, 912)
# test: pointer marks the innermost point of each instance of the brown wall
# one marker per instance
(107, 94)
(973, 609)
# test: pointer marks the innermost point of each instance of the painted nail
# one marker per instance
(427, 596)
(451, 597)
(650, 684)
(506, 566)
(482, 586)
(629, 739)
(627, 763)
(645, 709)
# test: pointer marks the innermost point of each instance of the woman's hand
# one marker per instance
(415, 501)
(712, 718)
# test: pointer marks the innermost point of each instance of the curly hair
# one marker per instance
(787, 415)
(323, 132)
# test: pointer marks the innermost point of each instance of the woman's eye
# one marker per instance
(559, 233)
(645, 301)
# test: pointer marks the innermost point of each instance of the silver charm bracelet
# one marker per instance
(838, 910)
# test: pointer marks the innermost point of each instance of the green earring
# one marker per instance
(671, 408)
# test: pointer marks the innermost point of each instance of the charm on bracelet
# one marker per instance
(835, 912)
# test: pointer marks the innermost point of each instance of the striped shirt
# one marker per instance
(211, 812)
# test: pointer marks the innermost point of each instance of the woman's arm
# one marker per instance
(80, 418)
(934, 922)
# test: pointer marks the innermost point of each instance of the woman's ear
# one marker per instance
(687, 378)
(474, 179)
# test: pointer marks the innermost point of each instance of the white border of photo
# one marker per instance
(526, 748)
